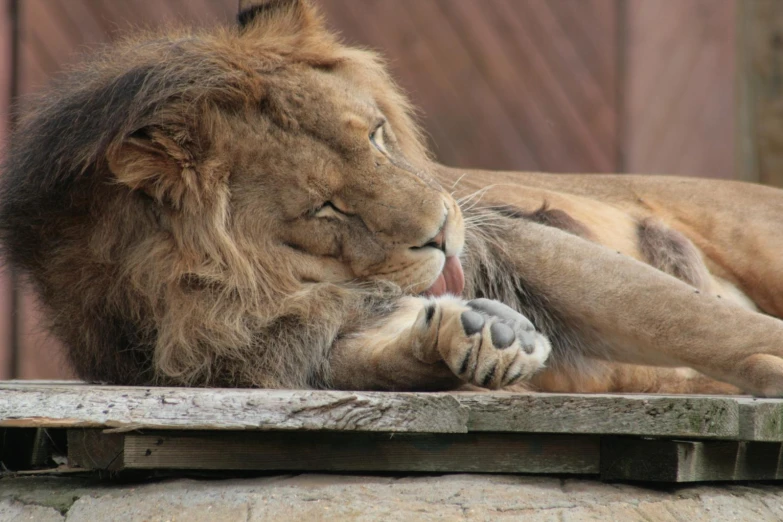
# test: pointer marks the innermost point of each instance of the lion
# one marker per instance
(254, 206)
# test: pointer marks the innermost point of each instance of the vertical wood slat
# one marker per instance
(497, 90)
(56, 32)
(679, 87)
(582, 113)
(48, 43)
(41, 356)
(53, 34)
(79, 21)
(678, 461)
(36, 50)
(433, 65)
(759, 138)
(351, 19)
(6, 92)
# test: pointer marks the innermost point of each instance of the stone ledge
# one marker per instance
(383, 498)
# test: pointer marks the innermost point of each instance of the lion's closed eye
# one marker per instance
(330, 210)
(378, 137)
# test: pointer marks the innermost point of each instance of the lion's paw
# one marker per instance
(483, 342)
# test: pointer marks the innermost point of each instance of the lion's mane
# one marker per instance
(153, 286)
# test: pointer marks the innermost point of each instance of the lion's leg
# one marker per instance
(646, 379)
(439, 343)
(627, 311)
(594, 376)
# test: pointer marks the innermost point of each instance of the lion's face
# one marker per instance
(318, 168)
(332, 190)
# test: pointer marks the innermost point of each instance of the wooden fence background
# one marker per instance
(551, 85)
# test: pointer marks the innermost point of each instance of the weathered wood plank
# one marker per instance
(127, 408)
(66, 405)
(330, 451)
(647, 415)
(761, 419)
(689, 461)
(94, 449)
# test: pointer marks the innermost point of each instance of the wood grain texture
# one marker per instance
(760, 111)
(407, 452)
(508, 84)
(761, 419)
(41, 355)
(7, 81)
(648, 415)
(678, 87)
(689, 461)
(126, 408)
(58, 405)
(93, 449)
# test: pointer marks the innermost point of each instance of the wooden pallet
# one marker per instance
(614, 437)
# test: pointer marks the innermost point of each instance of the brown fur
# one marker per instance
(672, 253)
(205, 208)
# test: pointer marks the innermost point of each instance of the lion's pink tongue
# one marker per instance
(450, 281)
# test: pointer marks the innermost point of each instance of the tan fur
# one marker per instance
(233, 225)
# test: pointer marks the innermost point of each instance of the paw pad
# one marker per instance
(472, 322)
(502, 335)
(483, 342)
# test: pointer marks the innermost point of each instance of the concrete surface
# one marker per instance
(412, 498)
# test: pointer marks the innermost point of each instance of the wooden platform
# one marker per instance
(69, 427)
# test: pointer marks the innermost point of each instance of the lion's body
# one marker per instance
(734, 225)
(255, 207)
(719, 236)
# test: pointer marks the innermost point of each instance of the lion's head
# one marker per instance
(186, 188)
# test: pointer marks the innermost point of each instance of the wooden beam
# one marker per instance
(130, 408)
(364, 452)
(60, 405)
(95, 450)
(689, 461)
(760, 91)
(610, 458)
(644, 415)
(761, 420)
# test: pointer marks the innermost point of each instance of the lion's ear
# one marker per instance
(156, 164)
(283, 17)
